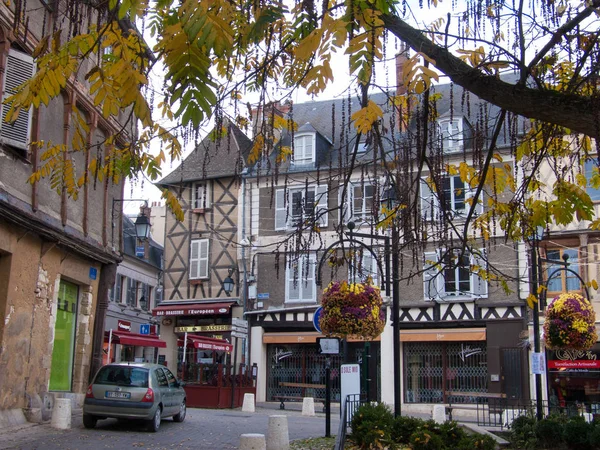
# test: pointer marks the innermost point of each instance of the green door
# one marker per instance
(61, 371)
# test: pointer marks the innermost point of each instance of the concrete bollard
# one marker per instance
(439, 413)
(308, 406)
(248, 405)
(252, 441)
(61, 414)
(278, 437)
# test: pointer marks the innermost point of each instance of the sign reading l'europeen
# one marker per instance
(202, 328)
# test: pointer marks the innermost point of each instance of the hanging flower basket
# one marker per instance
(352, 309)
(570, 323)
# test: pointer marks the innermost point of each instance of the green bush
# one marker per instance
(475, 442)
(426, 439)
(404, 427)
(576, 433)
(549, 431)
(372, 426)
(522, 433)
(451, 433)
(595, 436)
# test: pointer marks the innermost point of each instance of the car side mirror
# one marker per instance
(180, 384)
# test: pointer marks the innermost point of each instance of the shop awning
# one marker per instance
(443, 334)
(301, 337)
(205, 343)
(193, 309)
(141, 340)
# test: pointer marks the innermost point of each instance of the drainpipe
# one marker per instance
(245, 281)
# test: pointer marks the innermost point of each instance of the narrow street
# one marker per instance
(202, 429)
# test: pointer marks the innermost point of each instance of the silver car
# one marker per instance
(134, 391)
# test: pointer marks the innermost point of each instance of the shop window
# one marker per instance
(297, 206)
(434, 368)
(199, 259)
(61, 369)
(19, 68)
(457, 280)
(562, 280)
(300, 279)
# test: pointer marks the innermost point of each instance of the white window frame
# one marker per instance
(199, 255)
(302, 157)
(452, 134)
(368, 267)
(363, 214)
(430, 201)
(284, 220)
(434, 283)
(300, 279)
(202, 201)
(20, 67)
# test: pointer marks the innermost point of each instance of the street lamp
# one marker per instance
(142, 222)
(536, 238)
(228, 282)
(389, 196)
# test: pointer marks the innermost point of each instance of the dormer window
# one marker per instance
(451, 133)
(304, 149)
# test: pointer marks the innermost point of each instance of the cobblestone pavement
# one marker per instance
(202, 429)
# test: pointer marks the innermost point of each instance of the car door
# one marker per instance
(166, 396)
(177, 391)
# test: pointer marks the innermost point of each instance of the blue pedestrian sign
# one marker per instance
(145, 328)
(317, 317)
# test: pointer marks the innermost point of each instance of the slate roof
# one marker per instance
(155, 253)
(213, 158)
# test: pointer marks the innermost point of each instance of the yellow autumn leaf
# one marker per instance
(531, 300)
(365, 118)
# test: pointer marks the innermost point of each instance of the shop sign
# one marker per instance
(574, 365)
(202, 328)
(124, 325)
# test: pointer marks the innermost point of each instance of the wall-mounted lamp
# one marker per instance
(142, 222)
(228, 282)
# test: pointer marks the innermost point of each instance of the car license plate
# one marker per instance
(112, 394)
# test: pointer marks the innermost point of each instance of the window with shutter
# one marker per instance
(300, 279)
(201, 196)
(361, 199)
(303, 206)
(452, 135)
(199, 259)
(19, 68)
(304, 150)
(459, 279)
(455, 195)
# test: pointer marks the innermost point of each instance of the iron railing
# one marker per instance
(501, 412)
(347, 410)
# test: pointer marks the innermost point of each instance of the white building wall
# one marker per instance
(258, 355)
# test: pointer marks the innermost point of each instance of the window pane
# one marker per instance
(459, 194)
(296, 204)
(589, 171)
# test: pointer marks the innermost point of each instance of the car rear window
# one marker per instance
(123, 376)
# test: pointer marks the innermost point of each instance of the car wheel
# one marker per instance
(154, 423)
(180, 417)
(89, 421)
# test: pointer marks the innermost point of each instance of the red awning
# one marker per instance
(193, 309)
(205, 343)
(141, 340)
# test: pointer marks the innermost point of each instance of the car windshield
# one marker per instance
(123, 376)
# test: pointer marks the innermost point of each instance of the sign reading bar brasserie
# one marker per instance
(202, 328)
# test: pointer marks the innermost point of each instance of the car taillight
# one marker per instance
(149, 397)
(89, 393)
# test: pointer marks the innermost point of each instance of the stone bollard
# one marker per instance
(278, 437)
(439, 413)
(308, 406)
(248, 405)
(61, 414)
(252, 441)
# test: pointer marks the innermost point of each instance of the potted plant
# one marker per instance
(352, 309)
(570, 323)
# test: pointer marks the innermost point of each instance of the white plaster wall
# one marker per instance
(258, 355)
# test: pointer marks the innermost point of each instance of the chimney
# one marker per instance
(401, 59)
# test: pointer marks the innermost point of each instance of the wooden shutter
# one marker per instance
(432, 279)
(19, 69)
(322, 206)
(203, 259)
(194, 259)
(479, 286)
(293, 279)
(429, 203)
(280, 209)
(344, 205)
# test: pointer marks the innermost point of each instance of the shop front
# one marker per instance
(574, 379)
(122, 346)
